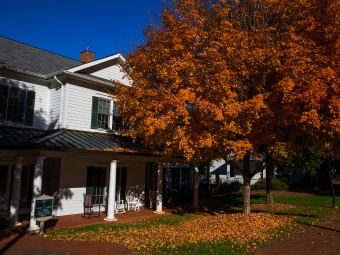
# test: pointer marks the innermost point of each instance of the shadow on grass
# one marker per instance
(318, 226)
(330, 229)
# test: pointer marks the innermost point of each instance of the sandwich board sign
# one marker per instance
(43, 208)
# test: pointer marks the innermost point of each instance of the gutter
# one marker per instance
(61, 100)
(51, 76)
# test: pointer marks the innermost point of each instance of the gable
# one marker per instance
(114, 72)
(108, 68)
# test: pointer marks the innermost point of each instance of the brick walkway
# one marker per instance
(321, 238)
(16, 241)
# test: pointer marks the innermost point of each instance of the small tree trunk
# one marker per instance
(196, 186)
(246, 195)
(208, 178)
(269, 193)
(246, 183)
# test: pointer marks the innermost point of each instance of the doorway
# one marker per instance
(96, 184)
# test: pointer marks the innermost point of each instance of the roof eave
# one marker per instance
(118, 56)
(90, 79)
(41, 76)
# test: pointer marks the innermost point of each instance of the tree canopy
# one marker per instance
(236, 77)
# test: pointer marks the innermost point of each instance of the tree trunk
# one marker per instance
(246, 183)
(246, 195)
(208, 178)
(269, 193)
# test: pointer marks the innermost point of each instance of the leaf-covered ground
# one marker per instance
(272, 207)
(238, 228)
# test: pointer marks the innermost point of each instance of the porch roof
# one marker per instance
(65, 139)
(221, 170)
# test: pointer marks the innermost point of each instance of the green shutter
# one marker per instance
(89, 180)
(232, 170)
(94, 116)
(3, 102)
(114, 122)
(29, 109)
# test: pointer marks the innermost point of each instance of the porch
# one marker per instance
(67, 164)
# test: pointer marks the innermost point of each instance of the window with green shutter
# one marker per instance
(117, 121)
(103, 113)
(16, 105)
(100, 113)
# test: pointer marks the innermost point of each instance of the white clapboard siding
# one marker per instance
(79, 107)
(238, 177)
(72, 186)
(112, 73)
(41, 105)
(54, 108)
(71, 205)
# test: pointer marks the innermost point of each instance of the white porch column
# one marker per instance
(196, 185)
(159, 208)
(112, 192)
(8, 186)
(36, 192)
(16, 186)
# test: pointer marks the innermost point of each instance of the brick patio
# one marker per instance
(15, 240)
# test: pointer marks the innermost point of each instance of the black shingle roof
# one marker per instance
(28, 58)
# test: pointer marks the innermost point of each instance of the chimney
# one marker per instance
(86, 56)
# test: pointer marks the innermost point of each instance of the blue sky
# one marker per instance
(67, 27)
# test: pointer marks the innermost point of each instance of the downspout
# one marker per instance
(61, 100)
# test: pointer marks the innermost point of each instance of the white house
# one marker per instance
(221, 171)
(55, 113)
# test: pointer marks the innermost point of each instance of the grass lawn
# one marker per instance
(218, 227)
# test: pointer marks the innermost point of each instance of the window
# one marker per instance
(100, 113)
(16, 105)
(103, 113)
(117, 121)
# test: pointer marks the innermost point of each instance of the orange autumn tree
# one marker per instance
(232, 80)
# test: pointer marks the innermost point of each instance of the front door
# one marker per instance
(96, 184)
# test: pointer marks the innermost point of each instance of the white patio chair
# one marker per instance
(132, 202)
(120, 206)
(97, 201)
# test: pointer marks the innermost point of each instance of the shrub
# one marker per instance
(259, 185)
(228, 187)
(174, 197)
(277, 184)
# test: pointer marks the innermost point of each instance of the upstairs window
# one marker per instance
(117, 121)
(16, 105)
(103, 113)
(100, 113)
